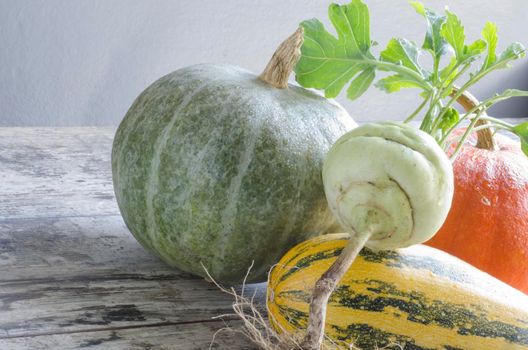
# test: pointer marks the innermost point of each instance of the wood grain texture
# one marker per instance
(55, 172)
(74, 248)
(195, 336)
(72, 276)
(45, 307)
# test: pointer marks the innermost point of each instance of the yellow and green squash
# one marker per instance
(415, 298)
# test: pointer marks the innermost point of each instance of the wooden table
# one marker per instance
(71, 275)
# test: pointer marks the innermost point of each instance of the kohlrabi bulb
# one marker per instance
(391, 180)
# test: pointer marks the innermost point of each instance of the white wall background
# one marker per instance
(82, 62)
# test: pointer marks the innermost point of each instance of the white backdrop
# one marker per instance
(82, 62)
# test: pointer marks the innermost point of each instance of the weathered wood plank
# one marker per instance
(74, 247)
(83, 273)
(196, 336)
(42, 307)
(54, 172)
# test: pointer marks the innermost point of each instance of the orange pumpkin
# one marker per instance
(487, 225)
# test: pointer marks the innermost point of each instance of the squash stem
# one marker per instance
(471, 104)
(283, 61)
(324, 288)
(466, 134)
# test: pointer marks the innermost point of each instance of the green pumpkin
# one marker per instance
(213, 166)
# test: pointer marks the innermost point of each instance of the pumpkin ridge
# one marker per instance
(152, 179)
(302, 177)
(225, 113)
(230, 210)
(120, 144)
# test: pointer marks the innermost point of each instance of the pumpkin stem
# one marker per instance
(283, 61)
(468, 102)
(324, 287)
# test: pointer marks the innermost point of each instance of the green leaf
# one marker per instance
(513, 52)
(475, 48)
(419, 7)
(453, 32)
(352, 24)
(433, 42)
(395, 83)
(361, 83)
(329, 63)
(521, 130)
(403, 52)
(489, 33)
(449, 119)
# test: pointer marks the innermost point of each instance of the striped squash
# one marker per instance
(417, 297)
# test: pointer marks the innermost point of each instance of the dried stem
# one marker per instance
(469, 102)
(324, 288)
(283, 61)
